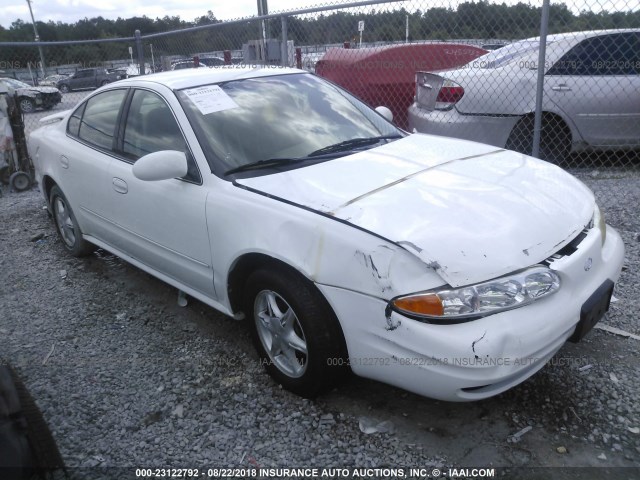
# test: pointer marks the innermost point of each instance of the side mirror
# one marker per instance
(162, 165)
(385, 112)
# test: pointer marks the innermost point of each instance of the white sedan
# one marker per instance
(448, 268)
(590, 99)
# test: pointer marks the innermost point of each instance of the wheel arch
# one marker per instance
(550, 114)
(47, 184)
(243, 266)
(247, 263)
(29, 98)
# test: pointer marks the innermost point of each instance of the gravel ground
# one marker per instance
(126, 378)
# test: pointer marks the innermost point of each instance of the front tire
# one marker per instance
(294, 330)
(27, 105)
(64, 88)
(67, 225)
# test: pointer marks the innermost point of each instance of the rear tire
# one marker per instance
(555, 138)
(67, 226)
(294, 330)
(64, 88)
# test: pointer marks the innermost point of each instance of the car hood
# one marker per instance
(35, 90)
(470, 211)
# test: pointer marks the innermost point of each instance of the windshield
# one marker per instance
(507, 54)
(15, 83)
(242, 122)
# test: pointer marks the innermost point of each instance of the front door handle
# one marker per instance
(119, 185)
(563, 87)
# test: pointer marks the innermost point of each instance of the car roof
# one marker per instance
(585, 34)
(192, 77)
(560, 43)
(9, 79)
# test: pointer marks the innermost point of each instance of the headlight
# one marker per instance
(598, 221)
(466, 303)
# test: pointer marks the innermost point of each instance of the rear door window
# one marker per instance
(100, 117)
(615, 54)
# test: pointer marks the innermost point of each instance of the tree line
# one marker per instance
(468, 20)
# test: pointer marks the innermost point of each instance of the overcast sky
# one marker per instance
(70, 11)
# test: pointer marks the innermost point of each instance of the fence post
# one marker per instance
(284, 49)
(298, 57)
(537, 123)
(140, 52)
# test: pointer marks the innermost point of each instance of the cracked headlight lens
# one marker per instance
(474, 301)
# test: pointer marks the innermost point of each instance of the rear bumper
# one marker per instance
(492, 130)
(481, 358)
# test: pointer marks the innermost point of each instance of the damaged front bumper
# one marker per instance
(484, 357)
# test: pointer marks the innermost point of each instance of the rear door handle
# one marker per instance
(120, 185)
(64, 161)
(563, 87)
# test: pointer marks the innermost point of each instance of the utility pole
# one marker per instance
(37, 38)
(406, 30)
(263, 9)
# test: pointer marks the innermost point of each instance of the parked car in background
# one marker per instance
(387, 75)
(493, 46)
(30, 97)
(201, 62)
(591, 99)
(88, 78)
(448, 268)
(310, 60)
(119, 71)
(213, 61)
(133, 70)
(52, 80)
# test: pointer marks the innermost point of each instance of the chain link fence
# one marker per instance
(481, 72)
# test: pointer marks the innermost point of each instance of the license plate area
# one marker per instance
(593, 310)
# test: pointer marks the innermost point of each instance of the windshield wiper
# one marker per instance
(351, 144)
(323, 153)
(270, 162)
